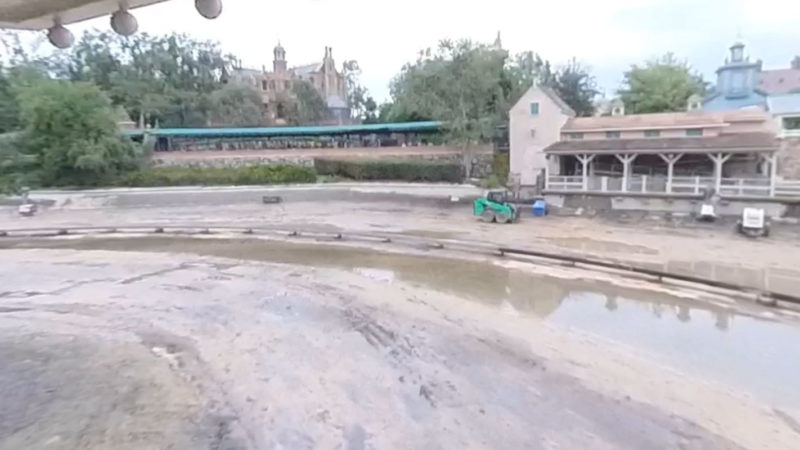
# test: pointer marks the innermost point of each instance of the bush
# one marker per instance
(70, 130)
(500, 167)
(183, 176)
(360, 169)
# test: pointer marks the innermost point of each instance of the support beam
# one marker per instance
(718, 159)
(546, 172)
(585, 160)
(772, 160)
(670, 159)
(626, 160)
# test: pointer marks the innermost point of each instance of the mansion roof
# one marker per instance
(741, 142)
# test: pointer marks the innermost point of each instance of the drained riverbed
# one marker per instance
(743, 351)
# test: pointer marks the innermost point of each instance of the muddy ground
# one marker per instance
(713, 251)
(152, 350)
(154, 342)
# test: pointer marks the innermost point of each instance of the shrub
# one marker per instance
(70, 130)
(183, 176)
(500, 167)
(361, 169)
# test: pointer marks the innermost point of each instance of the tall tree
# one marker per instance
(235, 105)
(460, 84)
(363, 107)
(661, 85)
(576, 86)
(309, 107)
(155, 78)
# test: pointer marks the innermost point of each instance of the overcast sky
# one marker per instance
(608, 35)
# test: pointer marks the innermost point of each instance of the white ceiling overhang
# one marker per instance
(40, 14)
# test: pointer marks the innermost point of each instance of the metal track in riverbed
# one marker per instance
(532, 256)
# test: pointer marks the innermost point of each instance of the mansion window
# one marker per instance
(574, 136)
(612, 134)
(534, 109)
(652, 133)
(263, 85)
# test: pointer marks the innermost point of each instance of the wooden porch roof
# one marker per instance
(731, 143)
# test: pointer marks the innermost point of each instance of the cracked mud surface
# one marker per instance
(124, 350)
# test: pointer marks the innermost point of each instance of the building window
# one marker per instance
(263, 85)
(534, 109)
(272, 85)
(694, 132)
(574, 136)
(791, 123)
(286, 85)
(533, 132)
(612, 134)
(652, 133)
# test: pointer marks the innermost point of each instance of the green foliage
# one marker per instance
(373, 169)
(501, 167)
(362, 106)
(186, 176)
(236, 105)
(160, 79)
(310, 107)
(460, 84)
(71, 132)
(661, 85)
(17, 169)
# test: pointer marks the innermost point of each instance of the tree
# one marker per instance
(9, 107)
(661, 85)
(309, 107)
(236, 105)
(362, 106)
(166, 79)
(576, 86)
(460, 85)
(69, 129)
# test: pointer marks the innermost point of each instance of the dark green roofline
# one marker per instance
(405, 127)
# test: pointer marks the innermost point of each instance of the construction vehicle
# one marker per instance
(495, 207)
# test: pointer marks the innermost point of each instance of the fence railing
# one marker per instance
(681, 185)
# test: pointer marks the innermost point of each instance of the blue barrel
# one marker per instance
(540, 208)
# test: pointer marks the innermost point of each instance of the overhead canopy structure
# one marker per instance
(258, 132)
(40, 14)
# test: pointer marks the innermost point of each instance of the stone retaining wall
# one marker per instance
(481, 159)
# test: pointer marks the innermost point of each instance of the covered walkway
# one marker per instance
(736, 165)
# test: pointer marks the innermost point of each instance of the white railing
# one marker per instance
(565, 183)
(787, 188)
(681, 185)
(789, 134)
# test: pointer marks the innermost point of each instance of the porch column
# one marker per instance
(585, 160)
(670, 159)
(772, 160)
(626, 161)
(719, 159)
(546, 172)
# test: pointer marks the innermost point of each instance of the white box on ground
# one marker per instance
(753, 218)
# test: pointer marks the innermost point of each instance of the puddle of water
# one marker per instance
(754, 354)
(784, 281)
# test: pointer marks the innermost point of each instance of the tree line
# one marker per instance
(61, 109)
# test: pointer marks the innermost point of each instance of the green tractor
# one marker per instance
(495, 207)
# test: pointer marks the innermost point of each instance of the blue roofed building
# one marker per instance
(737, 84)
